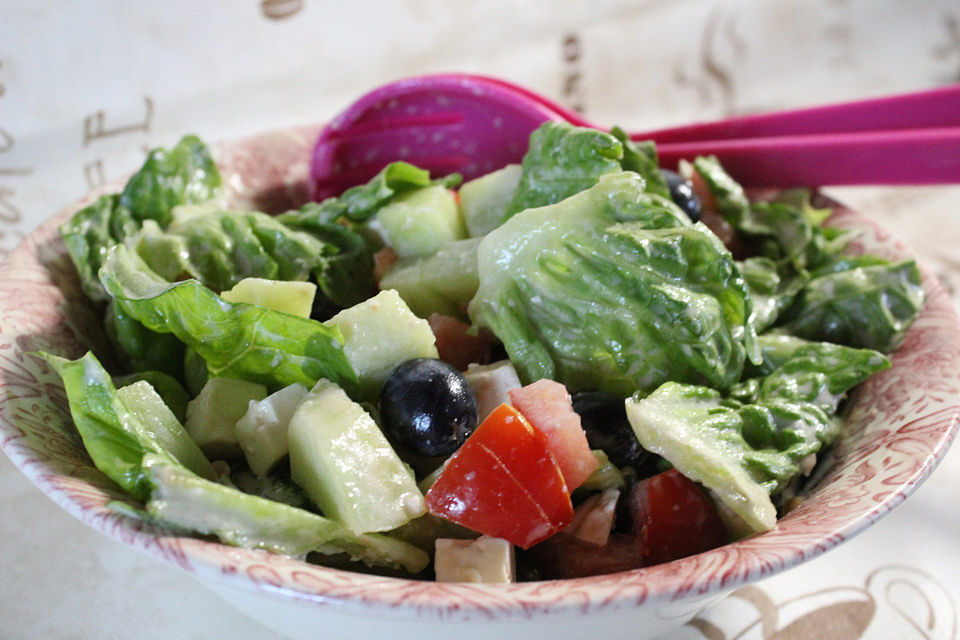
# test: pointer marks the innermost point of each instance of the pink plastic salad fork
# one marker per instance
(473, 125)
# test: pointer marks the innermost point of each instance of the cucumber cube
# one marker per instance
(484, 200)
(293, 297)
(420, 222)
(339, 456)
(443, 283)
(143, 401)
(212, 416)
(380, 333)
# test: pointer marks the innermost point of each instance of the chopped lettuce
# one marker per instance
(563, 160)
(125, 448)
(613, 289)
(704, 441)
(139, 348)
(730, 199)
(749, 446)
(641, 157)
(870, 306)
(236, 340)
(185, 174)
(115, 439)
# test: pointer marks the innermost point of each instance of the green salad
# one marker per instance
(579, 364)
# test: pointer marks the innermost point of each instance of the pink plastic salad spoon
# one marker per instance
(473, 124)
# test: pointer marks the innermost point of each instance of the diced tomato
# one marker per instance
(456, 345)
(547, 405)
(714, 220)
(382, 261)
(503, 482)
(673, 518)
(564, 556)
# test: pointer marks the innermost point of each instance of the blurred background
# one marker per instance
(86, 88)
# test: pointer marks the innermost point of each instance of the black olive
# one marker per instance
(682, 193)
(427, 407)
(604, 419)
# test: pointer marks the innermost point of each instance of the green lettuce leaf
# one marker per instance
(185, 174)
(236, 340)
(111, 434)
(748, 446)
(868, 306)
(563, 160)
(613, 289)
(361, 202)
(126, 450)
(345, 276)
(641, 157)
(139, 348)
(729, 196)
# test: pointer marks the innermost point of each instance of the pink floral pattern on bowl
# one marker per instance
(900, 424)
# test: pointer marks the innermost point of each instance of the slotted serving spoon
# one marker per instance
(473, 124)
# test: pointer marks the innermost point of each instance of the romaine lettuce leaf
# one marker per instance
(613, 289)
(749, 445)
(345, 276)
(641, 157)
(185, 174)
(730, 199)
(361, 202)
(869, 306)
(114, 438)
(125, 449)
(703, 440)
(563, 160)
(236, 340)
(139, 348)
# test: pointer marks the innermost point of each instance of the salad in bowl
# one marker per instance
(583, 360)
(621, 391)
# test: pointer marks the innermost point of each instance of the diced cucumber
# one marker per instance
(420, 222)
(171, 391)
(442, 283)
(182, 499)
(484, 200)
(212, 416)
(262, 431)
(339, 456)
(293, 297)
(143, 401)
(379, 334)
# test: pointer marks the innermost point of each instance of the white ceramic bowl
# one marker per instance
(898, 428)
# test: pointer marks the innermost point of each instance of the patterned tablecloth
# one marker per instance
(85, 89)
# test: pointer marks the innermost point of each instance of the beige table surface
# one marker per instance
(85, 88)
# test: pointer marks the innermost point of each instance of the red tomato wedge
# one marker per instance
(674, 518)
(547, 405)
(503, 482)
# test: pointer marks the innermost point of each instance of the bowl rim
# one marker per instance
(704, 575)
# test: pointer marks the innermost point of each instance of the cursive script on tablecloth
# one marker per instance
(10, 214)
